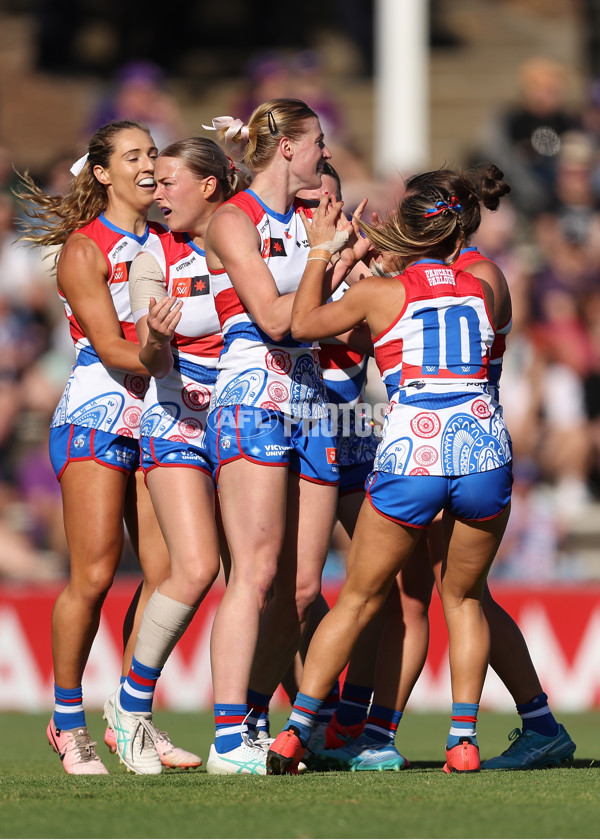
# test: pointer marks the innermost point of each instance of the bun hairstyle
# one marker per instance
(438, 213)
(256, 143)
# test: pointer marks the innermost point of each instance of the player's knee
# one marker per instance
(194, 581)
(94, 585)
(256, 581)
(306, 594)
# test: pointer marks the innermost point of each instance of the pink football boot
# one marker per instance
(76, 751)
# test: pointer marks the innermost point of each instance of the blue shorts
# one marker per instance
(70, 443)
(416, 500)
(356, 453)
(159, 452)
(353, 478)
(269, 438)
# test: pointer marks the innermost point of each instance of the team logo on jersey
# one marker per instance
(274, 247)
(121, 272)
(192, 286)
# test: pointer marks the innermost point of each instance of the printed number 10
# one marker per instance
(462, 337)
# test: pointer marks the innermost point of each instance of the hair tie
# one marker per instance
(232, 125)
(231, 164)
(272, 124)
(79, 164)
(440, 206)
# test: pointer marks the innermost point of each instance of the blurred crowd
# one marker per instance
(545, 237)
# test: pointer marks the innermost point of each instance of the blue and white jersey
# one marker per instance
(176, 405)
(443, 418)
(254, 369)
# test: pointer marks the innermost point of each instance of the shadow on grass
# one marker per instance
(576, 764)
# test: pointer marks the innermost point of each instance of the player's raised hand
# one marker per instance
(163, 318)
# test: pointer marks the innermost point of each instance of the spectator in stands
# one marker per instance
(525, 138)
(139, 93)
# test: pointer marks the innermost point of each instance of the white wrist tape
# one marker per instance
(146, 281)
(336, 244)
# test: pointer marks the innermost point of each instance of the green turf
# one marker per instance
(38, 800)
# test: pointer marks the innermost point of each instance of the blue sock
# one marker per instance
(537, 716)
(68, 708)
(229, 725)
(354, 704)
(137, 691)
(382, 724)
(330, 704)
(304, 713)
(464, 721)
(258, 711)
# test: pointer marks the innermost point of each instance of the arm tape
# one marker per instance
(146, 280)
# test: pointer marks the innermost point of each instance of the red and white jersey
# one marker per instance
(175, 405)
(443, 333)
(119, 248)
(467, 257)
(198, 335)
(443, 418)
(95, 396)
(253, 368)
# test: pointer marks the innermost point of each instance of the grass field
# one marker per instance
(38, 800)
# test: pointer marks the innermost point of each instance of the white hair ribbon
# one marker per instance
(79, 164)
(232, 125)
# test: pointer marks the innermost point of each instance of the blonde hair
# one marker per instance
(59, 215)
(270, 122)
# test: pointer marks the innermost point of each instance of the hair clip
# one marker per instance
(440, 206)
(272, 124)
